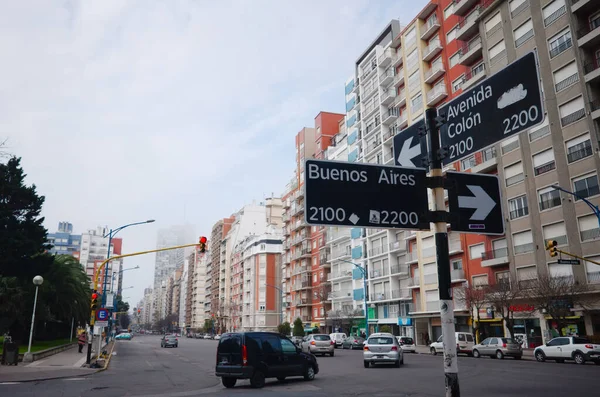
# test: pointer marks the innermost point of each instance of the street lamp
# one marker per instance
(364, 274)
(120, 271)
(37, 281)
(280, 301)
(594, 208)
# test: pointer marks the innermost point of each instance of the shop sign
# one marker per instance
(404, 321)
(522, 308)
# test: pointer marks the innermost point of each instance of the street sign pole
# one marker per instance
(443, 257)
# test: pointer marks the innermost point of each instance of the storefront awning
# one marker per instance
(489, 320)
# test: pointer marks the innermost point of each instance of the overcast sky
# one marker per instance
(180, 111)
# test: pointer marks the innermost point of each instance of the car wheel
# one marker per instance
(579, 359)
(366, 363)
(540, 357)
(228, 382)
(499, 355)
(309, 372)
(476, 353)
(432, 351)
(281, 378)
(257, 380)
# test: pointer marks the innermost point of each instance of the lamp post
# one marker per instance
(280, 301)
(37, 281)
(364, 274)
(594, 208)
(120, 271)
(110, 235)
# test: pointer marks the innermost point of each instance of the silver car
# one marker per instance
(382, 348)
(318, 344)
(499, 348)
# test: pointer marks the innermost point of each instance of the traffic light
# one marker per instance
(94, 304)
(551, 247)
(139, 311)
(202, 244)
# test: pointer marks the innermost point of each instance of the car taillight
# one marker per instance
(394, 348)
(589, 346)
(244, 355)
(312, 342)
(366, 348)
(176, 339)
(332, 343)
(504, 345)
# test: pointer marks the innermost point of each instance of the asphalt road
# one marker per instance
(142, 368)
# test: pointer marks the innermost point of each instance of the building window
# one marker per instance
(579, 148)
(456, 264)
(497, 52)
(553, 11)
(549, 198)
(543, 162)
(416, 103)
(566, 76)
(449, 10)
(454, 59)
(410, 37)
(502, 277)
(523, 33)
(315, 313)
(517, 7)
(412, 59)
(560, 43)
(540, 131)
(526, 275)
(523, 242)
(480, 281)
(586, 186)
(518, 207)
(451, 35)
(475, 251)
(510, 144)
(571, 111)
(493, 24)
(513, 174)
(457, 84)
(414, 81)
(468, 163)
(555, 231)
(588, 227)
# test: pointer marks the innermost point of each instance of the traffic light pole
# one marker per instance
(440, 229)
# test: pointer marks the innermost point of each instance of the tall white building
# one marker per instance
(147, 307)
(198, 294)
(94, 250)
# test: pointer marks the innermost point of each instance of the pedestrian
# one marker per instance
(81, 339)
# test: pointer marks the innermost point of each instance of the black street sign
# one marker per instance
(365, 195)
(502, 105)
(410, 148)
(569, 262)
(475, 203)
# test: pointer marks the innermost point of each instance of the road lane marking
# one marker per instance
(10, 383)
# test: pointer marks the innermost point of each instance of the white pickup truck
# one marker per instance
(568, 348)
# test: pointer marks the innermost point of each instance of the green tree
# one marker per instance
(208, 325)
(284, 329)
(124, 320)
(385, 328)
(298, 327)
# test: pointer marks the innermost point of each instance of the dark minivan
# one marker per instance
(260, 355)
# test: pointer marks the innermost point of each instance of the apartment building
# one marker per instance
(64, 242)
(255, 291)
(147, 307)
(198, 306)
(94, 250)
(213, 272)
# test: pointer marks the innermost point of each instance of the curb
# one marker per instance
(524, 357)
(109, 357)
(92, 371)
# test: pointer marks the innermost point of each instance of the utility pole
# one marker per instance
(440, 228)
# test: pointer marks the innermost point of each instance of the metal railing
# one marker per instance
(513, 180)
(590, 234)
(523, 248)
(399, 269)
(523, 211)
(524, 38)
(495, 254)
(593, 277)
(523, 6)
(593, 25)
(437, 90)
(589, 67)
(438, 67)
(474, 72)
(469, 45)
(380, 272)
(542, 169)
(553, 201)
(580, 151)
(537, 134)
(378, 251)
(562, 47)
(573, 117)
(555, 15)
(473, 16)
(433, 46)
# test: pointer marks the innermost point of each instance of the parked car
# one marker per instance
(568, 348)
(260, 355)
(407, 344)
(498, 348)
(318, 344)
(124, 336)
(217, 337)
(169, 340)
(297, 340)
(338, 338)
(353, 342)
(382, 348)
(208, 336)
(464, 344)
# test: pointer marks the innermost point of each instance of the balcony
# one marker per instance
(399, 78)
(559, 49)
(381, 272)
(398, 58)
(338, 235)
(432, 306)
(297, 210)
(303, 302)
(400, 270)
(462, 7)
(434, 48)
(485, 161)
(377, 251)
(411, 257)
(372, 147)
(469, 25)
(523, 248)
(341, 253)
(391, 115)
(436, 95)
(400, 99)
(589, 35)
(402, 122)
(474, 76)
(592, 70)
(593, 277)
(385, 59)
(386, 77)
(387, 97)
(495, 257)
(579, 152)
(300, 270)
(595, 107)
(435, 72)
(583, 6)
(342, 294)
(572, 117)
(430, 28)
(471, 52)
(567, 82)
(397, 246)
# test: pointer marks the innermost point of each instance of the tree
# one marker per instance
(474, 298)
(503, 298)
(385, 328)
(124, 320)
(22, 234)
(322, 293)
(284, 329)
(208, 325)
(298, 327)
(350, 314)
(556, 296)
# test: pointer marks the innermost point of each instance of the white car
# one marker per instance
(338, 338)
(407, 344)
(573, 348)
(217, 337)
(207, 336)
(464, 344)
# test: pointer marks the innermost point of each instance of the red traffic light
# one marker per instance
(94, 296)
(203, 240)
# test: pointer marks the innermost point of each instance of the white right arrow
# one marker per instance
(481, 202)
(408, 153)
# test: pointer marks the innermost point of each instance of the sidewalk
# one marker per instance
(527, 353)
(66, 364)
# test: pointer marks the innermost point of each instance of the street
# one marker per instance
(142, 368)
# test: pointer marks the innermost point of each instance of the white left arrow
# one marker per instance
(480, 201)
(407, 153)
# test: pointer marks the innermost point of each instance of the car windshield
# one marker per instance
(407, 341)
(380, 341)
(321, 337)
(508, 340)
(170, 338)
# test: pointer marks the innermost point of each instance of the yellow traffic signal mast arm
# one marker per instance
(577, 256)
